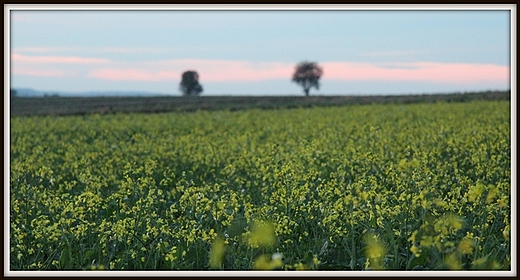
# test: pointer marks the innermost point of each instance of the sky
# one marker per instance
(255, 52)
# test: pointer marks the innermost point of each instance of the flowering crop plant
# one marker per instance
(360, 187)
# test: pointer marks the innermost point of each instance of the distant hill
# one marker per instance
(27, 92)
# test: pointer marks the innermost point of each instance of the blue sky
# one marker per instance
(254, 52)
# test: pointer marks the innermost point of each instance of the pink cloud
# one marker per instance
(133, 75)
(462, 73)
(56, 59)
(226, 71)
(209, 70)
(230, 71)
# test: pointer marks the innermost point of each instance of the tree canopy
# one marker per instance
(307, 75)
(190, 83)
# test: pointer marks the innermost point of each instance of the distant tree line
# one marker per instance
(307, 75)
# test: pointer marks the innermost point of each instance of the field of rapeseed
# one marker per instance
(401, 187)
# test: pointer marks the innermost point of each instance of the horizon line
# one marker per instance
(270, 94)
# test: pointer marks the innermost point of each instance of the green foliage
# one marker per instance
(307, 75)
(190, 83)
(346, 188)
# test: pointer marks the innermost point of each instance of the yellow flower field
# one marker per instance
(362, 187)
